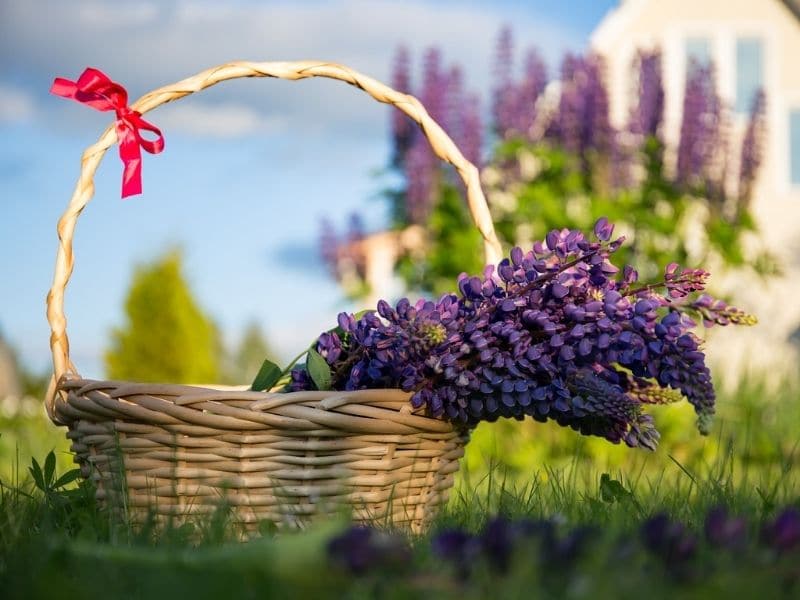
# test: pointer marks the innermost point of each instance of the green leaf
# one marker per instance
(612, 490)
(319, 371)
(267, 377)
(67, 478)
(49, 468)
(36, 472)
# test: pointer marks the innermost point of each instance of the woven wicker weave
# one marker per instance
(177, 450)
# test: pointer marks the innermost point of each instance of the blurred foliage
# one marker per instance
(456, 247)
(534, 188)
(755, 429)
(242, 364)
(26, 432)
(166, 337)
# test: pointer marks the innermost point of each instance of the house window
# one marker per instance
(698, 51)
(794, 146)
(749, 72)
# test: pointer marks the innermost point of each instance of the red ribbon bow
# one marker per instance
(98, 91)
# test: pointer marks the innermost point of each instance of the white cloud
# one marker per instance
(145, 45)
(15, 104)
(224, 120)
(116, 14)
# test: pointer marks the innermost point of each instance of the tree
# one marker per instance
(247, 358)
(167, 337)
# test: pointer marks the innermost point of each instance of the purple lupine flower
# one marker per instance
(717, 312)
(471, 137)
(504, 93)
(329, 246)
(498, 541)
(527, 92)
(355, 228)
(360, 549)
(783, 533)
(454, 101)
(566, 550)
(752, 148)
(421, 172)
(434, 85)
(700, 126)
(458, 547)
(542, 334)
(725, 531)
(403, 128)
(463, 119)
(670, 540)
(582, 122)
(620, 162)
(648, 114)
(352, 250)
(420, 166)
(514, 103)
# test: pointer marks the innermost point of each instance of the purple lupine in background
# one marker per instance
(458, 113)
(335, 249)
(783, 533)
(454, 103)
(329, 246)
(648, 113)
(471, 138)
(514, 103)
(360, 549)
(503, 93)
(582, 122)
(463, 120)
(420, 169)
(752, 148)
(671, 540)
(435, 83)
(421, 165)
(724, 530)
(620, 162)
(356, 233)
(355, 228)
(700, 126)
(532, 86)
(403, 128)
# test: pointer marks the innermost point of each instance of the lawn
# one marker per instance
(537, 512)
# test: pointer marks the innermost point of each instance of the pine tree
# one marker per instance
(167, 337)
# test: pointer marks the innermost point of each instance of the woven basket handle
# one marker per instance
(440, 142)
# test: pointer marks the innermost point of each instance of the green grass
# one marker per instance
(55, 542)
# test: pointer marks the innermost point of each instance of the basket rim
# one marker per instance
(177, 406)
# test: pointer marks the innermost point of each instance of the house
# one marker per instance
(753, 44)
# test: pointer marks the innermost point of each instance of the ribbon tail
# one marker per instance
(131, 156)
(132, 177)
(64, 88)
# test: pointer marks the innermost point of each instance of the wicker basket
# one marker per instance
(176, 451)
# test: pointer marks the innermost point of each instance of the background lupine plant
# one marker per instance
(555, 333)
(553, 548)
(555, 160)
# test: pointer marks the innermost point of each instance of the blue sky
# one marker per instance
(249, 167)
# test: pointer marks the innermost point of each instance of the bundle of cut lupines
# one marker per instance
(557, 332)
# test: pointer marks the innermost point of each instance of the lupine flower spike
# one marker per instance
(555, 333)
